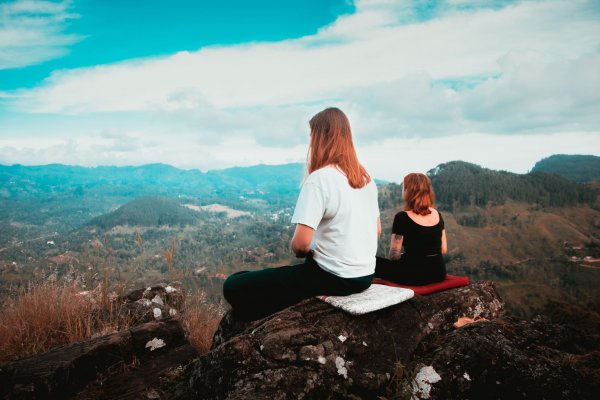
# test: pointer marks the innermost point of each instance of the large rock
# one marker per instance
(511, 359)
(151, 303)
(312, 350)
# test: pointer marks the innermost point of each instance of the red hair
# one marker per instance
(331, 144)
(418, 194)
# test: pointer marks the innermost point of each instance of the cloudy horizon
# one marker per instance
(501, 84)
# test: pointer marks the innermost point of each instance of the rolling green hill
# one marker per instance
(459, 184)
(537, 235)
(577, 168)
(148, 211)
(59, 198)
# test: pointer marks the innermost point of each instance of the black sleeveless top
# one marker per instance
(418, 240)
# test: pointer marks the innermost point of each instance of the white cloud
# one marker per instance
(392, 159)
(413, 106)
(32, 31)
(404, 79)
(389, 159)
(316, 68)
(538, 96)
(136, 148)
(7, 95)
(529, 95)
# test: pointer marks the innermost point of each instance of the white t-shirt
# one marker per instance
(345, 220)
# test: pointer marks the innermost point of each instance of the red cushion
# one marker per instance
(450, 282)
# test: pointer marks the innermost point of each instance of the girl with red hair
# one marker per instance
(419, 229)
(337, 226)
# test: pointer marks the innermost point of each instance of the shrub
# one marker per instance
(44, 316)
(50, 314)
(201, 319)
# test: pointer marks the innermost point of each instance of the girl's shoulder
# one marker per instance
(326, 179)
(435, 211)
(433, 219)
(401, 215)
(324, 173)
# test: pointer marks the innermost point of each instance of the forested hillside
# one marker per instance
(129, 183)
(458, 184)
(40, 200)
(537, 235)
(148, 211)
(578, 168)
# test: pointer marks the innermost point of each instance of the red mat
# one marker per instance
(450, 282)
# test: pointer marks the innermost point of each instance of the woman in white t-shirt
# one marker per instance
(337, 226)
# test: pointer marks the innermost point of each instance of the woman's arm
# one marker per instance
(396, 247)
(444, 243)
(301, 241)
(378, 227)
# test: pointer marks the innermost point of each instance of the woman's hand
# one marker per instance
(303, 236)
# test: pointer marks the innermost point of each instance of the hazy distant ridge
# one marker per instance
(132, 182)
(457, 183)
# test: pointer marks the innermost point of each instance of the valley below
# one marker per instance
(537, 236)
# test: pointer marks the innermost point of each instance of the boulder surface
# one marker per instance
(411, 350)
(312, 350)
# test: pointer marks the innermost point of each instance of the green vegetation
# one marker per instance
(49, 181)
(148, 211)
(460, 184)
(577, 168)
(128, 225)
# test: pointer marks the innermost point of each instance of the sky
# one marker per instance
(215, 84)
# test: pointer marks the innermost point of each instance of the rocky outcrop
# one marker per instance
(314, 351)
(510, 359)
(152, 303)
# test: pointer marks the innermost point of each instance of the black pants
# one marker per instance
(256, 294)
(412, 270)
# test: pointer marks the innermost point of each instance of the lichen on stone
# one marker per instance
(155, 344)
(341, 367)
(157, 299)
(422, 382)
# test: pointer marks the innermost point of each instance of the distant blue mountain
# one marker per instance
(61, 197)
(18, 181)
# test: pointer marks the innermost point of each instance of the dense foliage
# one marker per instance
(458, 184)
(128, 223)
(128, 183)
(148, 211)
(578, 168)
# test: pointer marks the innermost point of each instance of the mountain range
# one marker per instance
(553, 178)
(536, 234)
